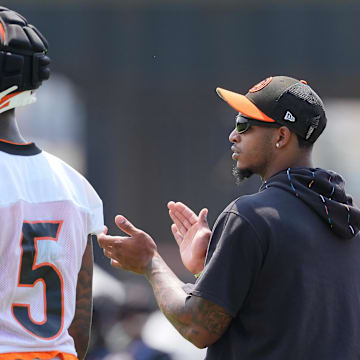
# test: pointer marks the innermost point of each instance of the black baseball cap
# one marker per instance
(282, 100)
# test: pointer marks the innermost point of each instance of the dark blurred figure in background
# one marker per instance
(117, 329)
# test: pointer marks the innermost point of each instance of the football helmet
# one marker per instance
(23, 60)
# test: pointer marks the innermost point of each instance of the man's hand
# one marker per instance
(198, 320)
(192, 233)
(132, 253)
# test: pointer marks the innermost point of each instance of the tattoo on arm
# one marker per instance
(200, 321)
(80, 326)
(208, 315)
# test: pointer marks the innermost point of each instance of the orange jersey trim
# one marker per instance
(14, 143)
(38, 355)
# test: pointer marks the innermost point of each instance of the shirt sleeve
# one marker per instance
(96, 220)
(233, 260)
(95, 211)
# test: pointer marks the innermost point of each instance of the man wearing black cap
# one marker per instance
(280, 276)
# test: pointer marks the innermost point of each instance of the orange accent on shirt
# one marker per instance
(12, 142)
(37, 355)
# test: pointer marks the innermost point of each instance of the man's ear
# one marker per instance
(282, 137)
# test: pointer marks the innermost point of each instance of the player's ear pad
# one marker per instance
(23, 60)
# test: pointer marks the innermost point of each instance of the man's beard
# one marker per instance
(241, 174)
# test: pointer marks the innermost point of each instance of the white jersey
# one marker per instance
(47, 210)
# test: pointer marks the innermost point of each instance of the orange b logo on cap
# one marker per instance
(261, 85)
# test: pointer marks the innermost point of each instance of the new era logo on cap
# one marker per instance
(289, 116)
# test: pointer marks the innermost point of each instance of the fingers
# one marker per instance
(107, 253)
(177, 235)
(182, 216)
(115, 263)
(107, 241)
(105, 231)
(182, 228)
(203, 217)
(170, 204)
(126, 226)
(184, 210)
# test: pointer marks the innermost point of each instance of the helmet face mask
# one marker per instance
(23, 60)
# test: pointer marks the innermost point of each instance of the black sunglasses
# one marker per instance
(243, 123)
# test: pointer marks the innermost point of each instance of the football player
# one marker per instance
(48, 212)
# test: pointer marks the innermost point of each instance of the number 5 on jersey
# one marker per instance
(30, 273)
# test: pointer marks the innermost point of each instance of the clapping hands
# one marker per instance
(192, 234)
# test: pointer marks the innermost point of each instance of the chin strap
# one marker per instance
(10, 100)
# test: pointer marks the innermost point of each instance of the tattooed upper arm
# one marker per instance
(80, 326)
(209, 321)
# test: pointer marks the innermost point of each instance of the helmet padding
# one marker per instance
(23, 59)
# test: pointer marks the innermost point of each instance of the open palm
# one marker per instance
(192, 234)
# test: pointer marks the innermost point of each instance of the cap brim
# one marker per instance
(242, 104)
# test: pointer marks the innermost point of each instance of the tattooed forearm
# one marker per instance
(198, 320)
(80, 326)
(209, 315)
